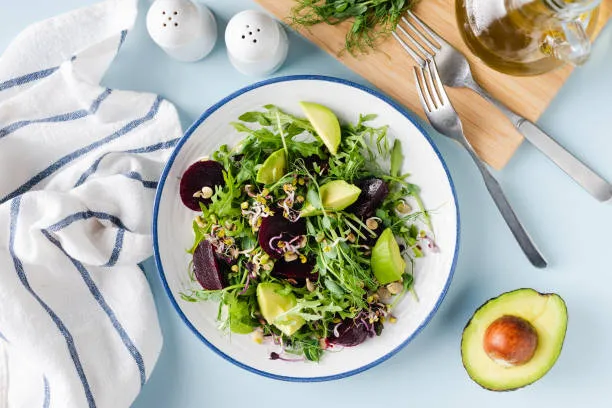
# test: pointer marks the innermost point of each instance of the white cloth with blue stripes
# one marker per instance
(79, 164)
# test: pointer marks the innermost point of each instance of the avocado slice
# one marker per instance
(497, 346)
(335, 196)
(387, 262)
(272, 304)
(325, 123)
(273, 168)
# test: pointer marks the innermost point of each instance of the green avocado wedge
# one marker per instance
(325, 123)
(387, 262)
(335, 196)
(545, 313)
(273, 168)
(273, 304)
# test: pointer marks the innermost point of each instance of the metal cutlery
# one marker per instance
(445, 120)
(455, 72)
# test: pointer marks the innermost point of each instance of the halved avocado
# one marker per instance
(513, 340)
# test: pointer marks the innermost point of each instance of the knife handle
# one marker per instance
(515, 225)
(592, 182)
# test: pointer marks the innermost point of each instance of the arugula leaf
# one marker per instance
(255, 117)
(397, 157)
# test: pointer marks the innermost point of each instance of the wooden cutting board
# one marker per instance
(390, 69)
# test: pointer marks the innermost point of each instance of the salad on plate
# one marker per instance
(306, 231)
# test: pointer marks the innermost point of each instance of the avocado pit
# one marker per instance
(510, 341)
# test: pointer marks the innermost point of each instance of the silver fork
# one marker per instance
(455, 72)
(445, 120)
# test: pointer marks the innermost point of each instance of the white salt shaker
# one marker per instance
(256, 43)
(185, 30)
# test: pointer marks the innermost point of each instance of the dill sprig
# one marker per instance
(372, 20)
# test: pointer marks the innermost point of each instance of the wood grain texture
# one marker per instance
(390, 69)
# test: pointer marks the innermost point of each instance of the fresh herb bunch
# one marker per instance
(373, 20)
(337, 244)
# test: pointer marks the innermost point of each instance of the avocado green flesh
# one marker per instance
(547, 313)
(325, 123)
(273, 168)
(387, 262)
(273, 304)
(335, 196)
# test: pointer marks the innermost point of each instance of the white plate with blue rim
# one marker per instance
(172, 232)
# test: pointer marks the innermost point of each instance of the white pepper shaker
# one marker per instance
(185, 30)
(256, 43)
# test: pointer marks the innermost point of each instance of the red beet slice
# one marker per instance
(207, 173)
(310, 164)
(207, 268)
(373, 192)
(295, 272)
(350, 333)
(275, 226)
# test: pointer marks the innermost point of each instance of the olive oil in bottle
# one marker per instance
(528, 37)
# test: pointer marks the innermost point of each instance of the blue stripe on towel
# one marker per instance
(83, 215)
(117, 249)
(138, 177)
(82, 151)
(91, 285)
(122, 39)
(47, 399)
(64, 117)
(146, 149)
(24, 79)
(15, 204)
(2, 337)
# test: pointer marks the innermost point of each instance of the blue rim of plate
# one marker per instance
(188, 134)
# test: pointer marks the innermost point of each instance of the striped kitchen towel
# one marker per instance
(79, 164)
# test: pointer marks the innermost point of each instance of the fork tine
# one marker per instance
(426, 28)
(439, 87)
(419, 79)
(426, 41)
(433, 92)
(416, 57)
(414, 41)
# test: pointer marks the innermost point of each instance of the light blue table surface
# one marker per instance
(571, 228)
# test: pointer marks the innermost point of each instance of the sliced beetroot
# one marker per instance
(295, 272)
(208, 270)
(278, 227)
(207, 173)
(373, 192)
(349, 333)
(322, 164)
